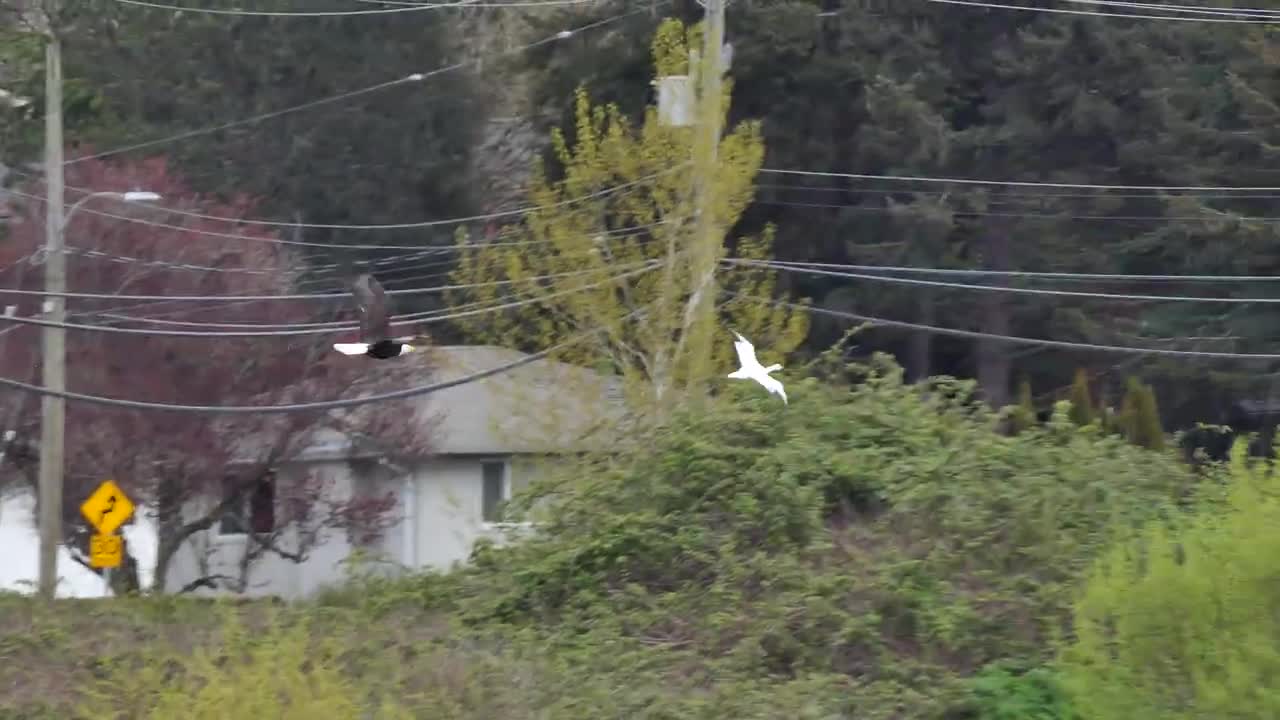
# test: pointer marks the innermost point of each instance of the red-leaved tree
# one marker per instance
(191, 469)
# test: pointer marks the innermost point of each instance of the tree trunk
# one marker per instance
(168, 528)
(124, 579)
(995, 364)
(919, 354)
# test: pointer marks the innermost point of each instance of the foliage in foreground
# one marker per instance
(885, 539)
(1182, 621)
(873, 550)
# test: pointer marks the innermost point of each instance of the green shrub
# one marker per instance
(1003, 693)
(1183, 621)
(878, 531)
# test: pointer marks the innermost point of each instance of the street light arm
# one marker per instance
(132, 196)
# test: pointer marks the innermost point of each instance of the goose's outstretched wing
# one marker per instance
(746, 351)
(371, 301)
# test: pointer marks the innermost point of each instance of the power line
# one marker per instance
(1166, 7)
(999, 6)
(334, 13)
(1032, 195)
(1013, 183)
(336, 325)
(429, 223)
(415, 77)
(1222, 215)
(999, 288)
(972, 334)
(429, 256)
(233, 300)
(334, 328)
(1032, 274)
(333, 226)
(296, 407)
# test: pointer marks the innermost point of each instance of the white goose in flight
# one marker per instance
(751, 369)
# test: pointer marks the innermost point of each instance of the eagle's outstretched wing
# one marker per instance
(371, 301)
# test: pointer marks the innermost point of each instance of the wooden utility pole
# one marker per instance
(708, 240)
(54, 353)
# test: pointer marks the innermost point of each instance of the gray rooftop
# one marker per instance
(542, 407)
(545, 406)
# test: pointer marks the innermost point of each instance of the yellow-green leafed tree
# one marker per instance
(1181, 621)
(609, 248)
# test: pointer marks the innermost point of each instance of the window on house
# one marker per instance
(255, 511)
(493, 489)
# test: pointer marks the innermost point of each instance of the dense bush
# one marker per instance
(1183, 621)
(872, 550)
(884, 535)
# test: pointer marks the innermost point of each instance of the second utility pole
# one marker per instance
(54, 351)
(708, 240)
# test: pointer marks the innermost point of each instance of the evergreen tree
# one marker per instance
(1081, 400)
(1140, 416)
(1024, 414)
(1150, 434)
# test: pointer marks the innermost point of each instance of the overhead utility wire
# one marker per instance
(334, 226)
(332, 13)
(429, 257)
(1028, 195)
(997, 288)
(229, 302)
(212, 298)
(492, 283)
(415, 77)
(401, 226)
(998, 6)
(1189, 9)
(423, 317)
(1013, 183)
(337, 327)
(1012, 338)
(1220, 216)
(232, 301)
(1032, 274)
(302, 407)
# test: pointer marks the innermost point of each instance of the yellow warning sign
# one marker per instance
(107, 508)
(106, 551)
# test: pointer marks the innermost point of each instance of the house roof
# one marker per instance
(544, 406)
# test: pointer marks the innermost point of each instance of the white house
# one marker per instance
(488, 439)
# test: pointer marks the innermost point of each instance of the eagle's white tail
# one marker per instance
(351, 348)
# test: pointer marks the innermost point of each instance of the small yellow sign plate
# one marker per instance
(107, 508)
(106, 551)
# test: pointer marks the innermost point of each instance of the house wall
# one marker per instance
(209, 553)
(449, 509)
(439, 519)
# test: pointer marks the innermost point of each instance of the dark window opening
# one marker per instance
(255, 509)
(493, 490)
